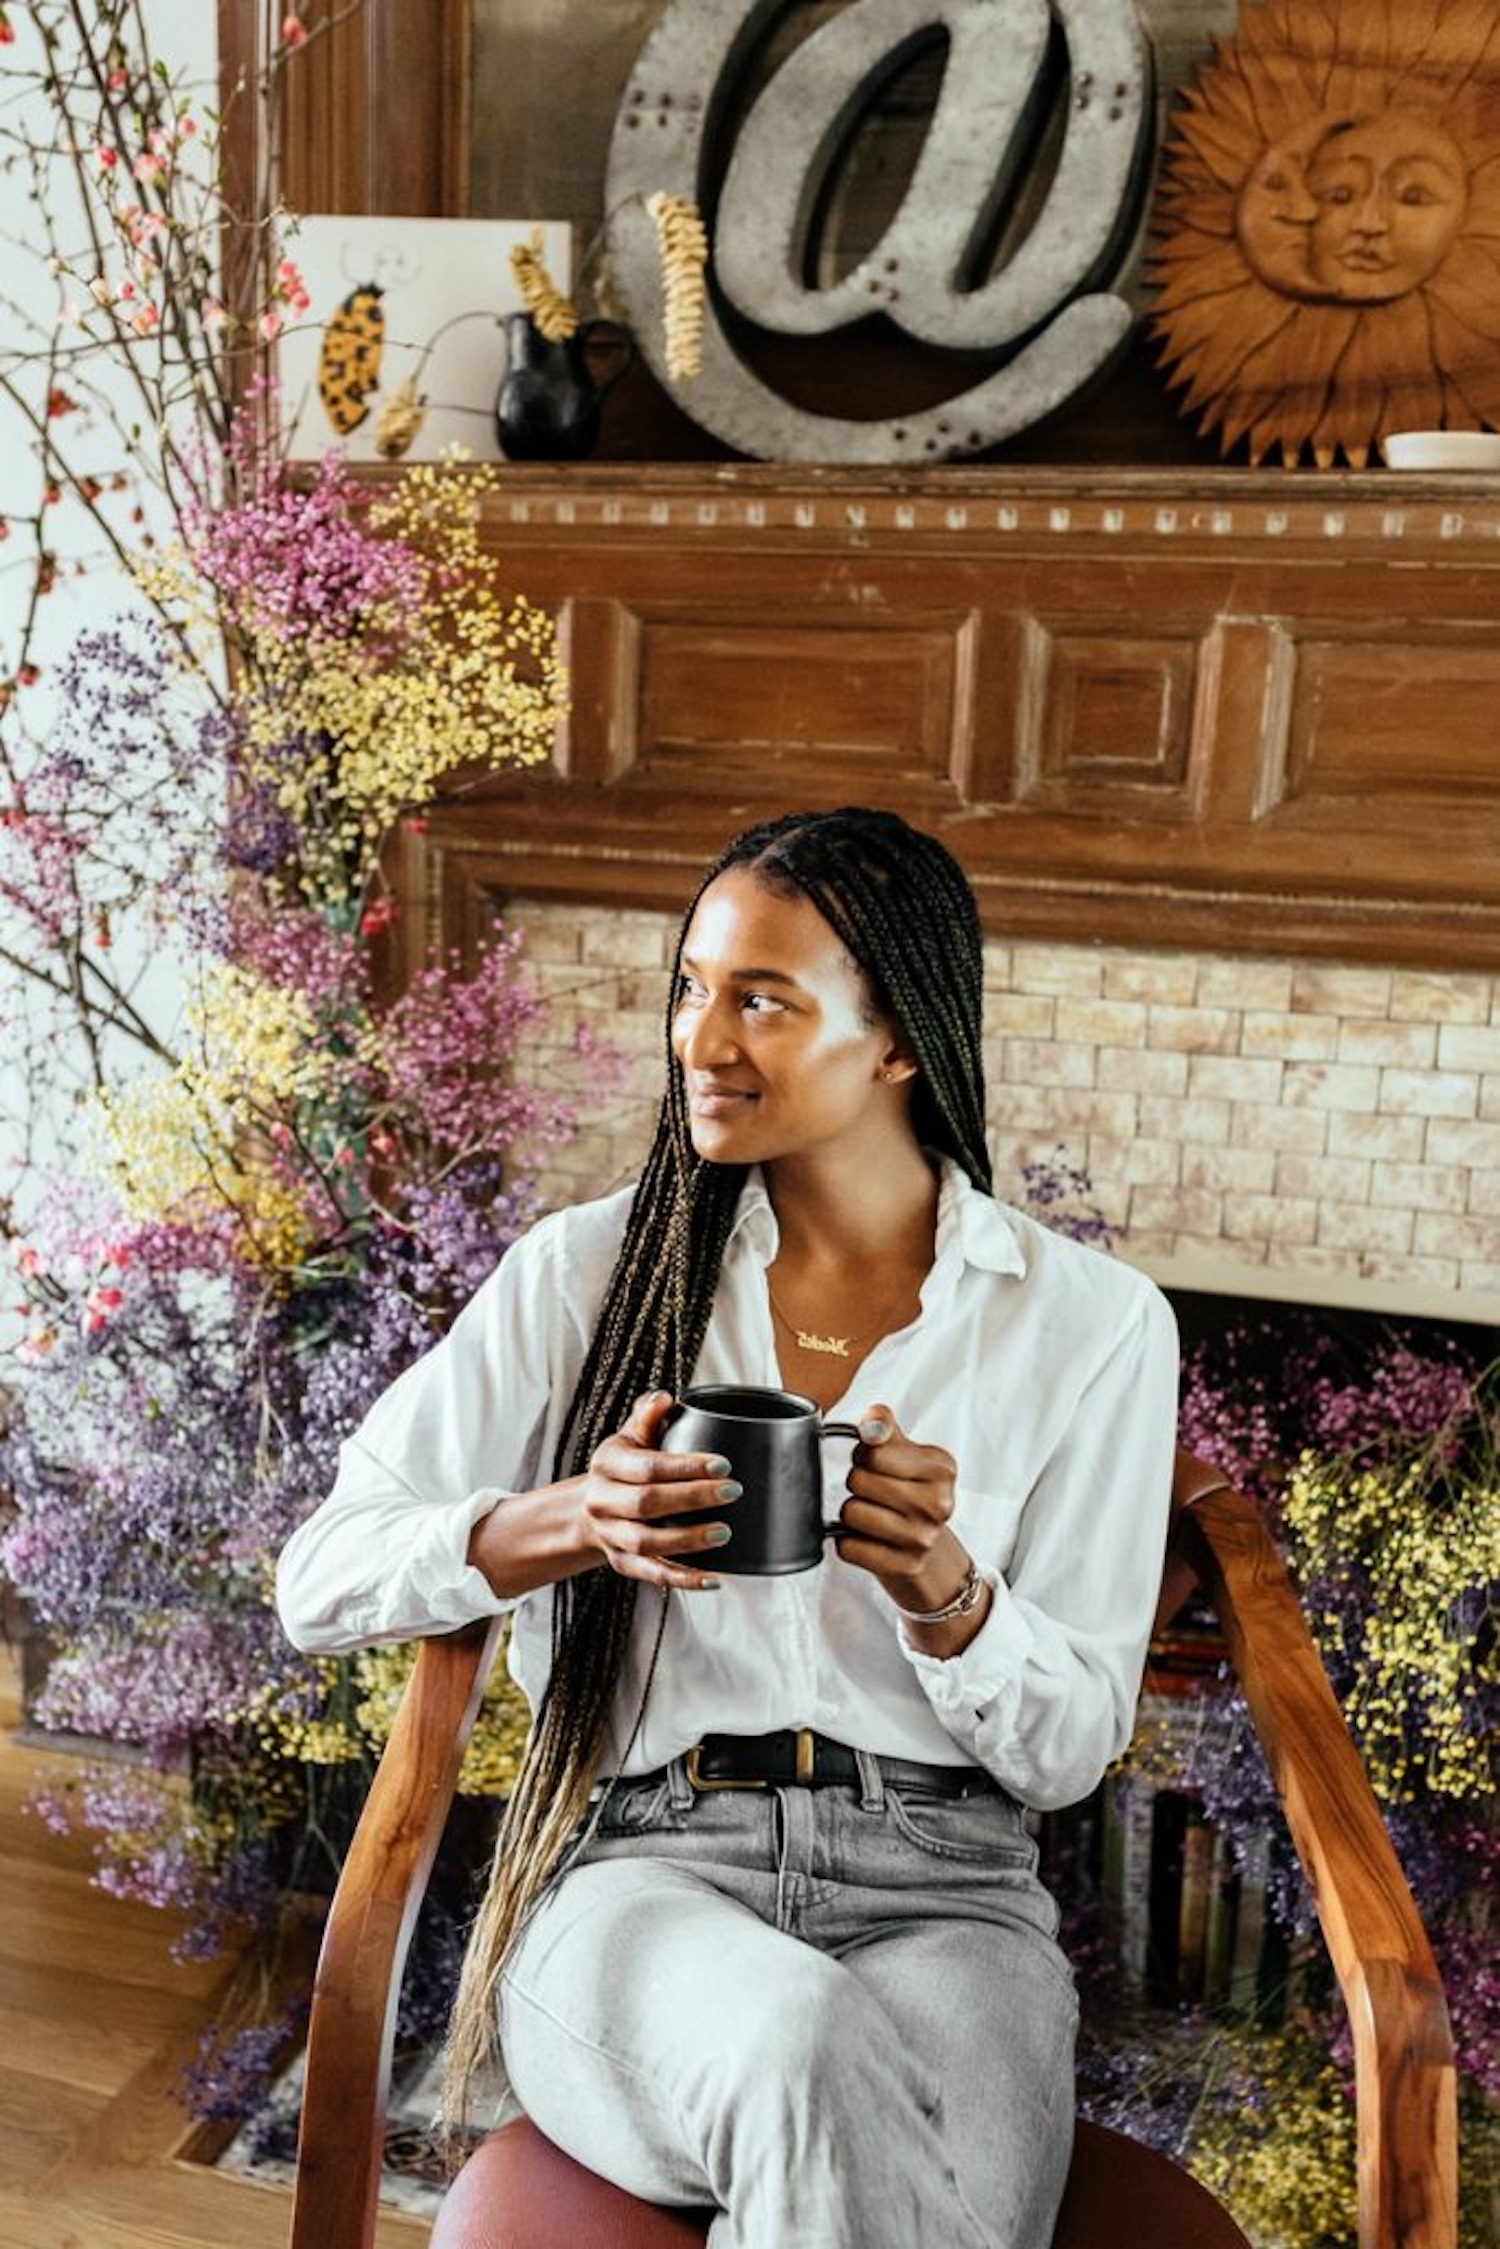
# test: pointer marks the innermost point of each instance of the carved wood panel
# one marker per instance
(1383, 735)
(1114, 724)
(700, 697)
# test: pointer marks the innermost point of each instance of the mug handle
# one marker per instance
(837, 1429)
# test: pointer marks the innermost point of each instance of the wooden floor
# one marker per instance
(96, 2023)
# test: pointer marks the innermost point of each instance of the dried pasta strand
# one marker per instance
(401, 418)
(682, 245)
(555, 315)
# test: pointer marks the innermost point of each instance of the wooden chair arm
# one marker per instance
(370, 1921)
(1406, 2093)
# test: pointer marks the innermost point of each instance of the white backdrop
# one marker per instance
(183, 33)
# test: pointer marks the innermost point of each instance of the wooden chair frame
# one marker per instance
(1404, 2069)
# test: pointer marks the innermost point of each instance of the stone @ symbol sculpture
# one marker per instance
(1043, 313)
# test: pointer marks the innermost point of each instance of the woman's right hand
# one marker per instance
(629, 1487)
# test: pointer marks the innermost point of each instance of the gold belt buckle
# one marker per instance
(699, 1780)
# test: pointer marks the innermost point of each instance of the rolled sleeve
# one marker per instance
(432, 1587)
(385, 1556)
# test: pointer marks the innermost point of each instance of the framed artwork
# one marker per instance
(403, 326)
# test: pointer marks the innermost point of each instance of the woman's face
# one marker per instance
(781, 1050)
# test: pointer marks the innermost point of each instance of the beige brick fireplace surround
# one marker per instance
(1263, 1127)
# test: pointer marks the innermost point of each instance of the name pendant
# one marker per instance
(831, 1346)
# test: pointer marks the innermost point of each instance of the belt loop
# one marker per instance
(871, 1781)
(680, 1788)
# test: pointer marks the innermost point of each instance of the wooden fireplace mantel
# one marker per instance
(1176, 705)
(1237, 710)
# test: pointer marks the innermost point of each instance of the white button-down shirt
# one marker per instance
(1048, 1371)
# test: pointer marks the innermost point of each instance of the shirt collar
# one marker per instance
(982, 1231)
(753, 1226)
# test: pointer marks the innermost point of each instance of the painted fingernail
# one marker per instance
(875, 1428)
(729, 1491)
(718, 1534)
(716, 1465)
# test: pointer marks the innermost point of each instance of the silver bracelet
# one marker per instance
(964, 1601)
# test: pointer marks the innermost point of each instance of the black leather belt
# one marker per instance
(800, 1759)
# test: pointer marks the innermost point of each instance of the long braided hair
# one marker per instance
(904, 911)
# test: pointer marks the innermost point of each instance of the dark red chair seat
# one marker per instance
(518, 2191)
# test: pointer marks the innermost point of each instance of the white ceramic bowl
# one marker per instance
(1442, 449)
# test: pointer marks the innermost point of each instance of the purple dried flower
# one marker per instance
(234, 2069)
(296, 560)
(1060, 1194)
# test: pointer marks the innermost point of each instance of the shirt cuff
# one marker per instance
(962, 1685)
(445, 1586)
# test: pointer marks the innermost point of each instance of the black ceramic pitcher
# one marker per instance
(771, 1439)
(549, 398)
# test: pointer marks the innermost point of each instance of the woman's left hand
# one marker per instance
(896, 1520)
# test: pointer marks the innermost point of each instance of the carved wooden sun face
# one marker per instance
(1327, 252)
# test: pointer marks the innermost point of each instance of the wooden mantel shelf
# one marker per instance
(1334, 511)
(1238, 710)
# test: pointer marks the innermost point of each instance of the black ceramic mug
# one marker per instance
(771, 1440)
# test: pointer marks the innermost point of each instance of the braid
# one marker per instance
(904, 911)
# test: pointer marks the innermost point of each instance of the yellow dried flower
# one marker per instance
(187, 1145)
(493, 1757)
(1286, 2173)
(683, 248)
(158, 1800)
(329, 1734)
(400, 421)
(1422, 1674)
(379, 712)
(555, 315)
(382, 715)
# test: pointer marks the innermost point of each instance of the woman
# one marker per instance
(794, 1958)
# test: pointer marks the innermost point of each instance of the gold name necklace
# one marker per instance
(828, 1346)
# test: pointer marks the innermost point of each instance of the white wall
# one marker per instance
(37, 1077)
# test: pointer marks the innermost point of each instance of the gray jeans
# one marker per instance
(838, 2014)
